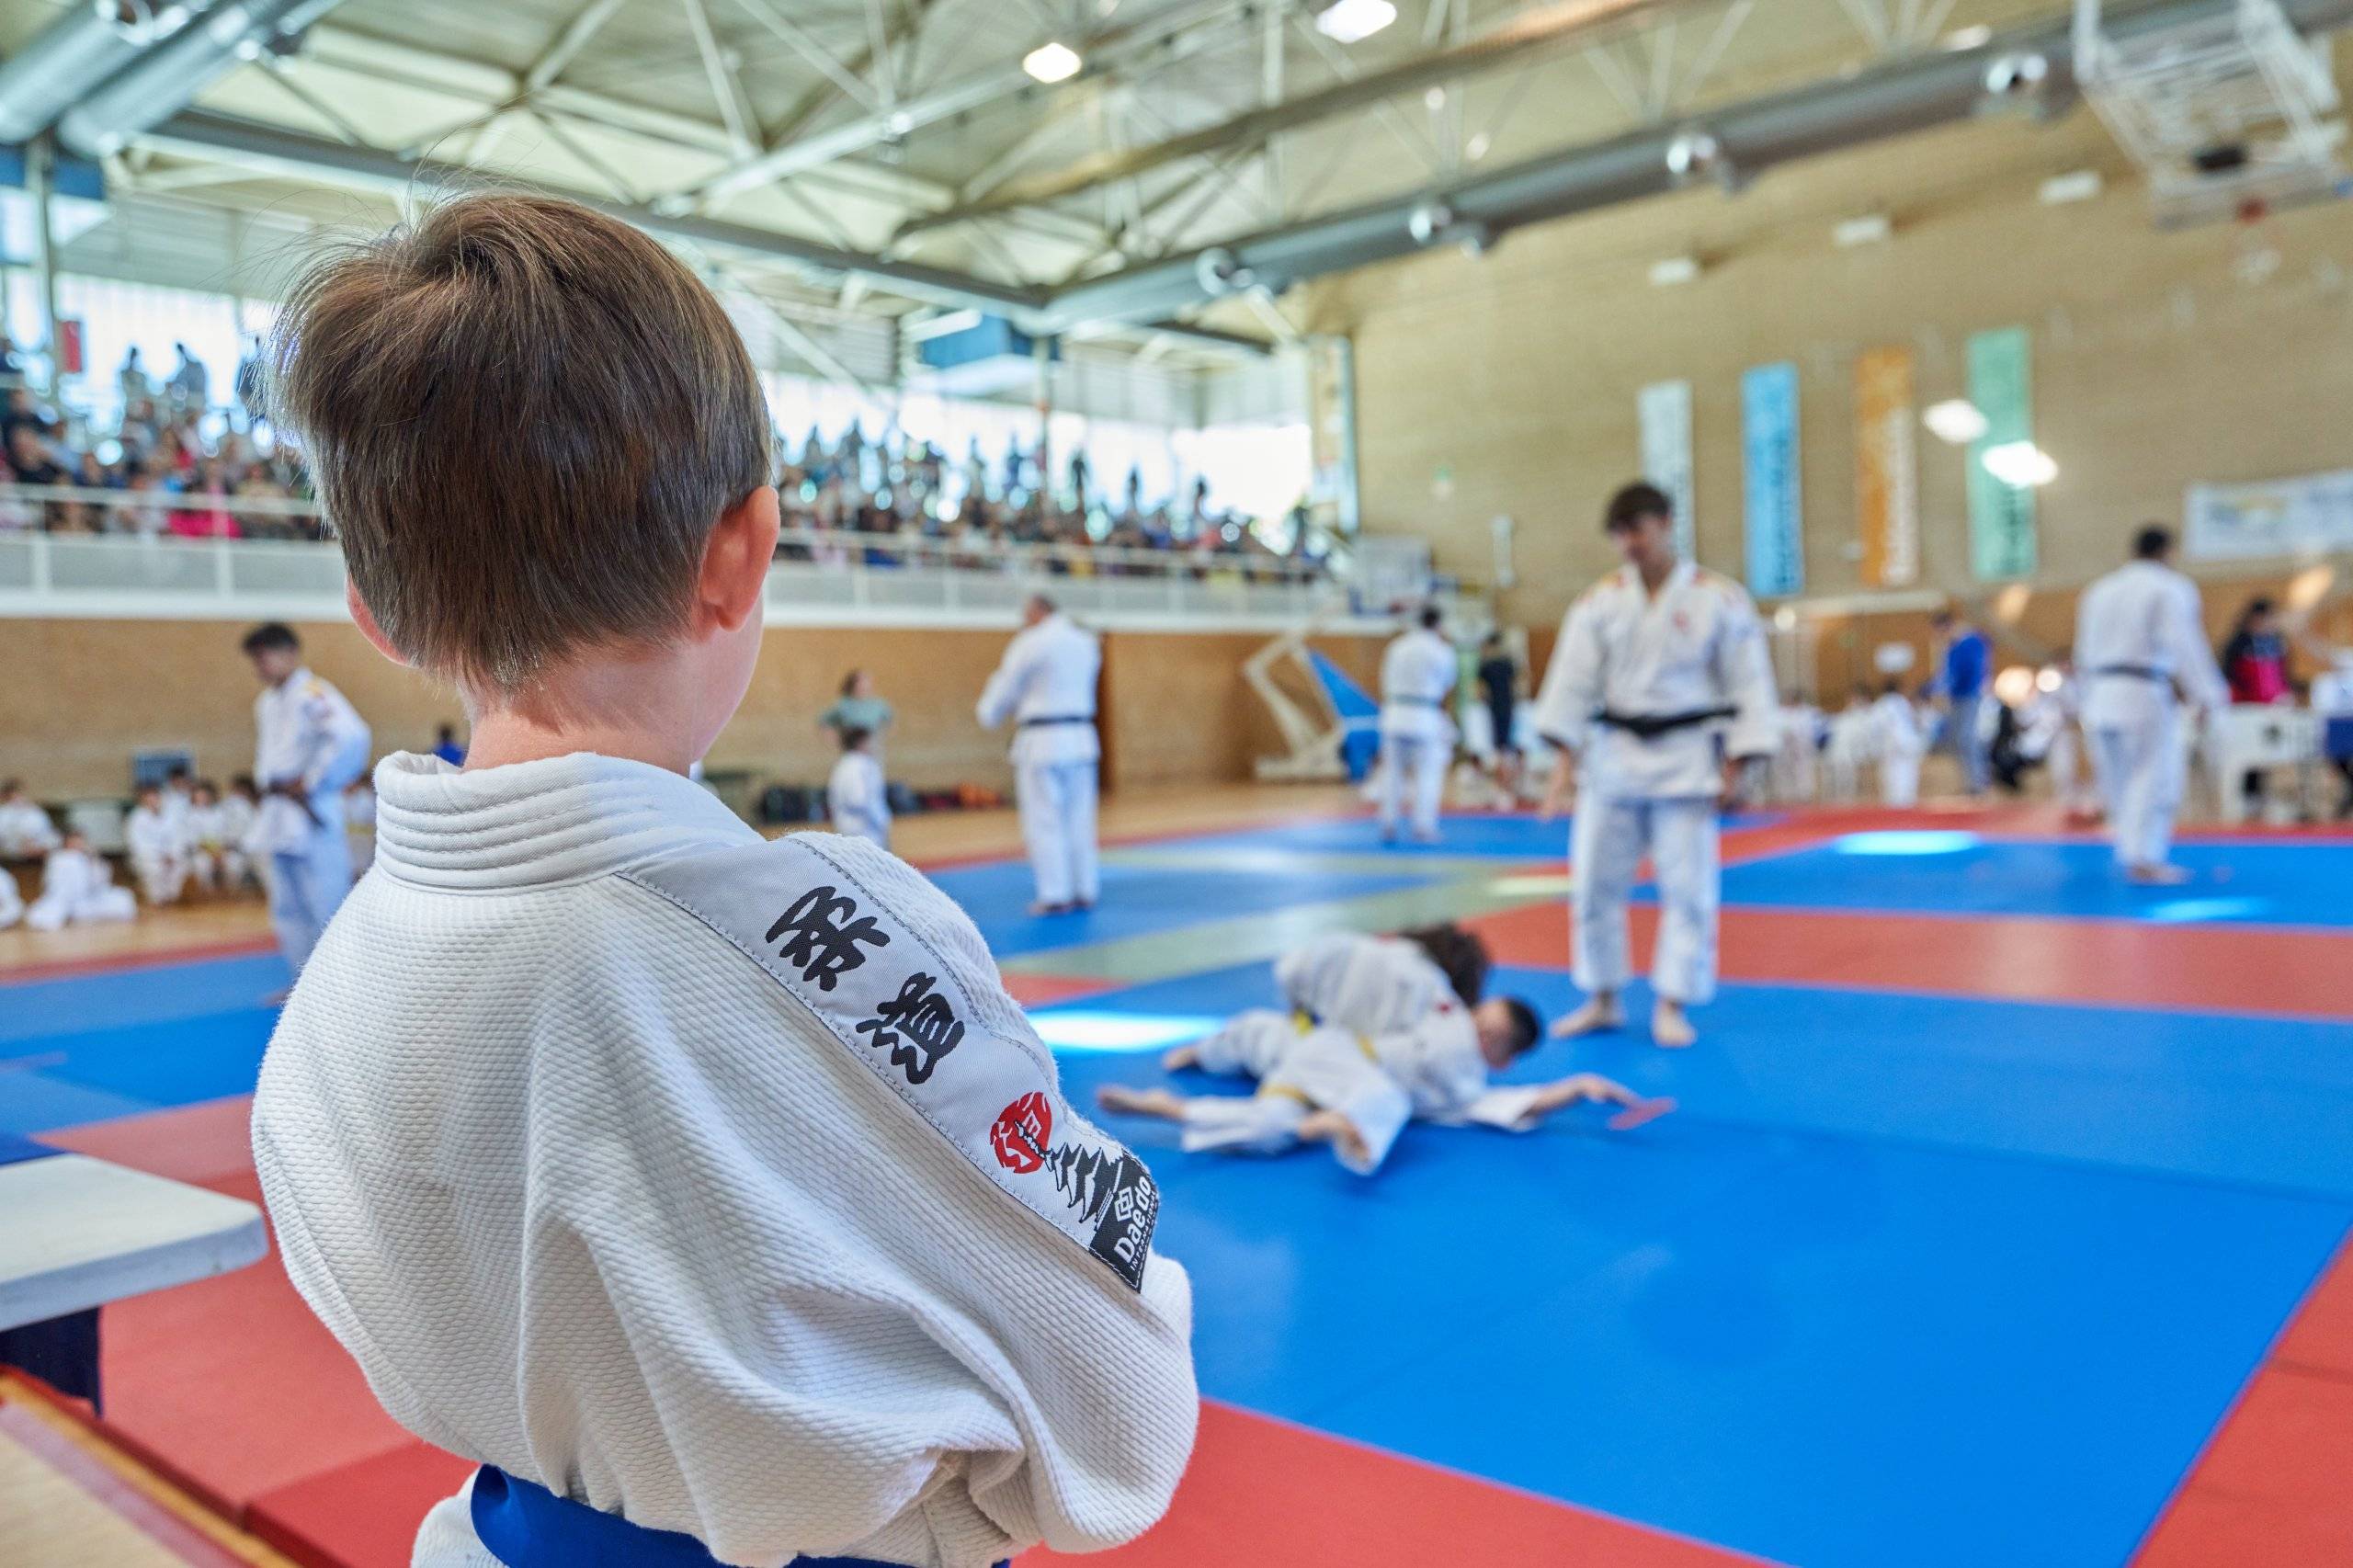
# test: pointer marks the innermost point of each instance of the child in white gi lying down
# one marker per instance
(1384, 1030)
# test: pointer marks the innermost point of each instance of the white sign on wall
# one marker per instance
(1664, 409)
(2312, 514)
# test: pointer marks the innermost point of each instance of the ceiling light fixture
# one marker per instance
(1353, 21)
(1052, 61)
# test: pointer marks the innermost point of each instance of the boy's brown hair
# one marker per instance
(524, 418)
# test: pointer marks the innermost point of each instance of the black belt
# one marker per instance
(1650, 726)
(1058, 719)
(2135, 672)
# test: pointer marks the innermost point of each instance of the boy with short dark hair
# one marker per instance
(696, 1185)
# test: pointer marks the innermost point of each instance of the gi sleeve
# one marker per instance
(334, 743)
(2193, 661)
(1003, 692)
(1744, 673)
(1572, 689)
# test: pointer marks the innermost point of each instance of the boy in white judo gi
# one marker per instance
(857, 801)
(709, 1192)
(26, 831)
(1377, 1034)
(1899, 740)
(2141, 644)
(77, 889)
(310, 745)
(1660, 697)
(1419, 672)
(156, 838)
(1046, 685)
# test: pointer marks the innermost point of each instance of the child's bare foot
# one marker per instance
(1600, 1012)
(1670, 1026)
(1139, 1102)
(1331, 1127)
(1182, 1057)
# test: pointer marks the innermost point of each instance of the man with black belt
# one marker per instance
(1659, 698)
(2137, 635)
(1417, 677)
(1046, 683)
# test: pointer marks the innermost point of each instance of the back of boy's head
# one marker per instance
(525, 418)
(1460, 956)
(1527, 1025)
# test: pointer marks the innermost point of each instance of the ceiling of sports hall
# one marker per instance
(877, 156)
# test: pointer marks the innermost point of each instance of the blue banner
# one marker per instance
(1769, 441)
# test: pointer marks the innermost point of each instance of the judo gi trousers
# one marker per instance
(1606, 841)
(1057, 801)
(1413, 771)
(2140, 768)
(307, 885)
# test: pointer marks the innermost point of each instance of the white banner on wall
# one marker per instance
(1664, 409)
(2312, 514)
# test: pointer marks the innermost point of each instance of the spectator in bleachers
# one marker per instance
(192, 385)
(131, 379)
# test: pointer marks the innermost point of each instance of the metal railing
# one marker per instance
(822, 576)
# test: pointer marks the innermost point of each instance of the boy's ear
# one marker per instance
(365, 618)
(735, 560)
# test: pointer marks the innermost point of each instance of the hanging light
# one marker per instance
(1353, 21)
(1052, 61)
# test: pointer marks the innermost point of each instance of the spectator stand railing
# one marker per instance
(144, 568)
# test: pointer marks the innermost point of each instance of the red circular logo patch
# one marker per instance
(1023, 1131)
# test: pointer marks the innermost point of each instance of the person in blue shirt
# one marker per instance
(1963, 677)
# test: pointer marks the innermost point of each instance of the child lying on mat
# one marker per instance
(1383, 1031)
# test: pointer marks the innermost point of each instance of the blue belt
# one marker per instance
(526, 1526)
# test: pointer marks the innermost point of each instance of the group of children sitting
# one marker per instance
(179, 832)
(1375, 1031)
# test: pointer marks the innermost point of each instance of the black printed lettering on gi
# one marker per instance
(923, 1017)
(825, 937)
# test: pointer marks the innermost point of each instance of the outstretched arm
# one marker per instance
(1577, 1089)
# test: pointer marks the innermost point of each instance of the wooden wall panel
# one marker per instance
(83, 694)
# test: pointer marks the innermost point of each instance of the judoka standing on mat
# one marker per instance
(1659, 695)
(2139, 634)
(312, 744)
(1417, 679)
(1046, 683)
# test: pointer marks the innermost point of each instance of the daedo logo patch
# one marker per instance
(1023, 1133)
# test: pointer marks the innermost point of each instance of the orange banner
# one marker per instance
(1887, 468)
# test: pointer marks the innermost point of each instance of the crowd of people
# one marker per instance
(176, 463)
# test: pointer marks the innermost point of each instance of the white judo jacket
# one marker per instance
(2137, 632)
(1695, 646)
(1418, 671)
(1045, 684)
(307, 734)
(714, 1182)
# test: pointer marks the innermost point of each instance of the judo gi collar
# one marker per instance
(537, 824)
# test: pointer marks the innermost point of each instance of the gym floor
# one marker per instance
(1996, 1226)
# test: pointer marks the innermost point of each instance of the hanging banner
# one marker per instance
(1887, 469)
(1664, 411)
(1768, 439)
(2001, 516)
(2310, 515)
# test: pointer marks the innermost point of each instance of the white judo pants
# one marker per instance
(2140, 766)
(1413, 773)
(1606, 841)
(162, 877)
(2065, 762)
(307, 885)
(1057, 800)
(1899, 778)
(100, 906)
(1325, 1069)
